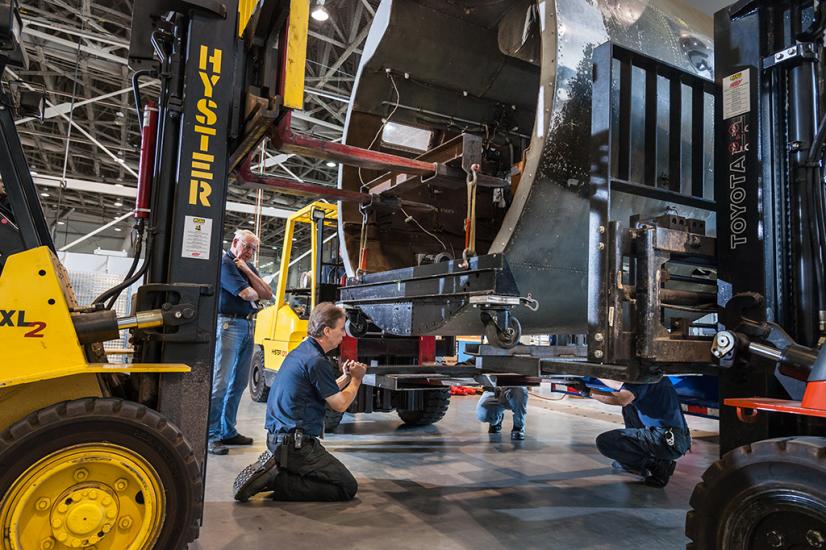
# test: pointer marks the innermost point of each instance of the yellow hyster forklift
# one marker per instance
(95, 454)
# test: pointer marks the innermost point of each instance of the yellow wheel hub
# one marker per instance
(94, 496)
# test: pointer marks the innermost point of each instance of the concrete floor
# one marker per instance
(452, 485)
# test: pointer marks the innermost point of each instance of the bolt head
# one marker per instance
(601, 246)
(121, 485)
(598, 354)
(47, 543)
(774, 539)
(601, 229)
(43, 504)
(125, 523)
(81, 474)
(599, 337)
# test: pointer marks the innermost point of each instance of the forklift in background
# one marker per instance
(281, 327)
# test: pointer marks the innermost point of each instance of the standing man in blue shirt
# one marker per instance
(297, 467)
(241, 288)
(655, 434)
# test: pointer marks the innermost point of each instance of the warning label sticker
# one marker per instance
(197, 236)
(736, 94)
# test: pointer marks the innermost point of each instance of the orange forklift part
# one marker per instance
(743, 404)
(463, 390)
(815, 396)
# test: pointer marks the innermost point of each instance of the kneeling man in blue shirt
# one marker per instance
(296, 466)
(655, 434)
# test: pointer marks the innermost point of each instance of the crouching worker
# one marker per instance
(492, 405)
(297, 467)
(655, 434)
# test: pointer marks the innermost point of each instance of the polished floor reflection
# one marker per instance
(454, 486)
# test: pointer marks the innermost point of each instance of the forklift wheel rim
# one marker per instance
(89, 495)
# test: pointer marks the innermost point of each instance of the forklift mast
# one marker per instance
(769, 192)
(23, 225)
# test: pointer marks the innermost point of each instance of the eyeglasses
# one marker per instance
(248, 246)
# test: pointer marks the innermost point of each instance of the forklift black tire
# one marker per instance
(506, 339)
(331, 420)
(259, 390)
(130, 454)
(434, 408)
(770, 494)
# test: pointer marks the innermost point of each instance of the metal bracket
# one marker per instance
(499, 300)
(796, 54)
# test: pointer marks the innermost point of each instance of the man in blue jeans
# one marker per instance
(241, 287)
(492, 405)
(655, 435)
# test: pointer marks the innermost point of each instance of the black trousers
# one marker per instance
(640, 448)
(310, 473)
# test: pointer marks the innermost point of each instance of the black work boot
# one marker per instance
(495, 428)
(518, 433)
(215, 447)
(620, 468)
(255, 478)
(237, 439)
(660, 472)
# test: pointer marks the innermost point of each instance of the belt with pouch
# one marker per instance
(296, 439)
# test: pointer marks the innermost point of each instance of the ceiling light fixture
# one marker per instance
(46, 195)
(331, 164)
(118, 203)
(319, 12)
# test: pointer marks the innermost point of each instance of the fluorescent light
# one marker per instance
(118, 203)
(61, 223)
(118, 229)
(331, 164)
(320, 13)
(251, 222)
(45, 195)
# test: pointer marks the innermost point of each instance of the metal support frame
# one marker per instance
(285, 140)
(435, 292)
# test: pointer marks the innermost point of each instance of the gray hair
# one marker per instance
(324, 315)
(241, 234)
